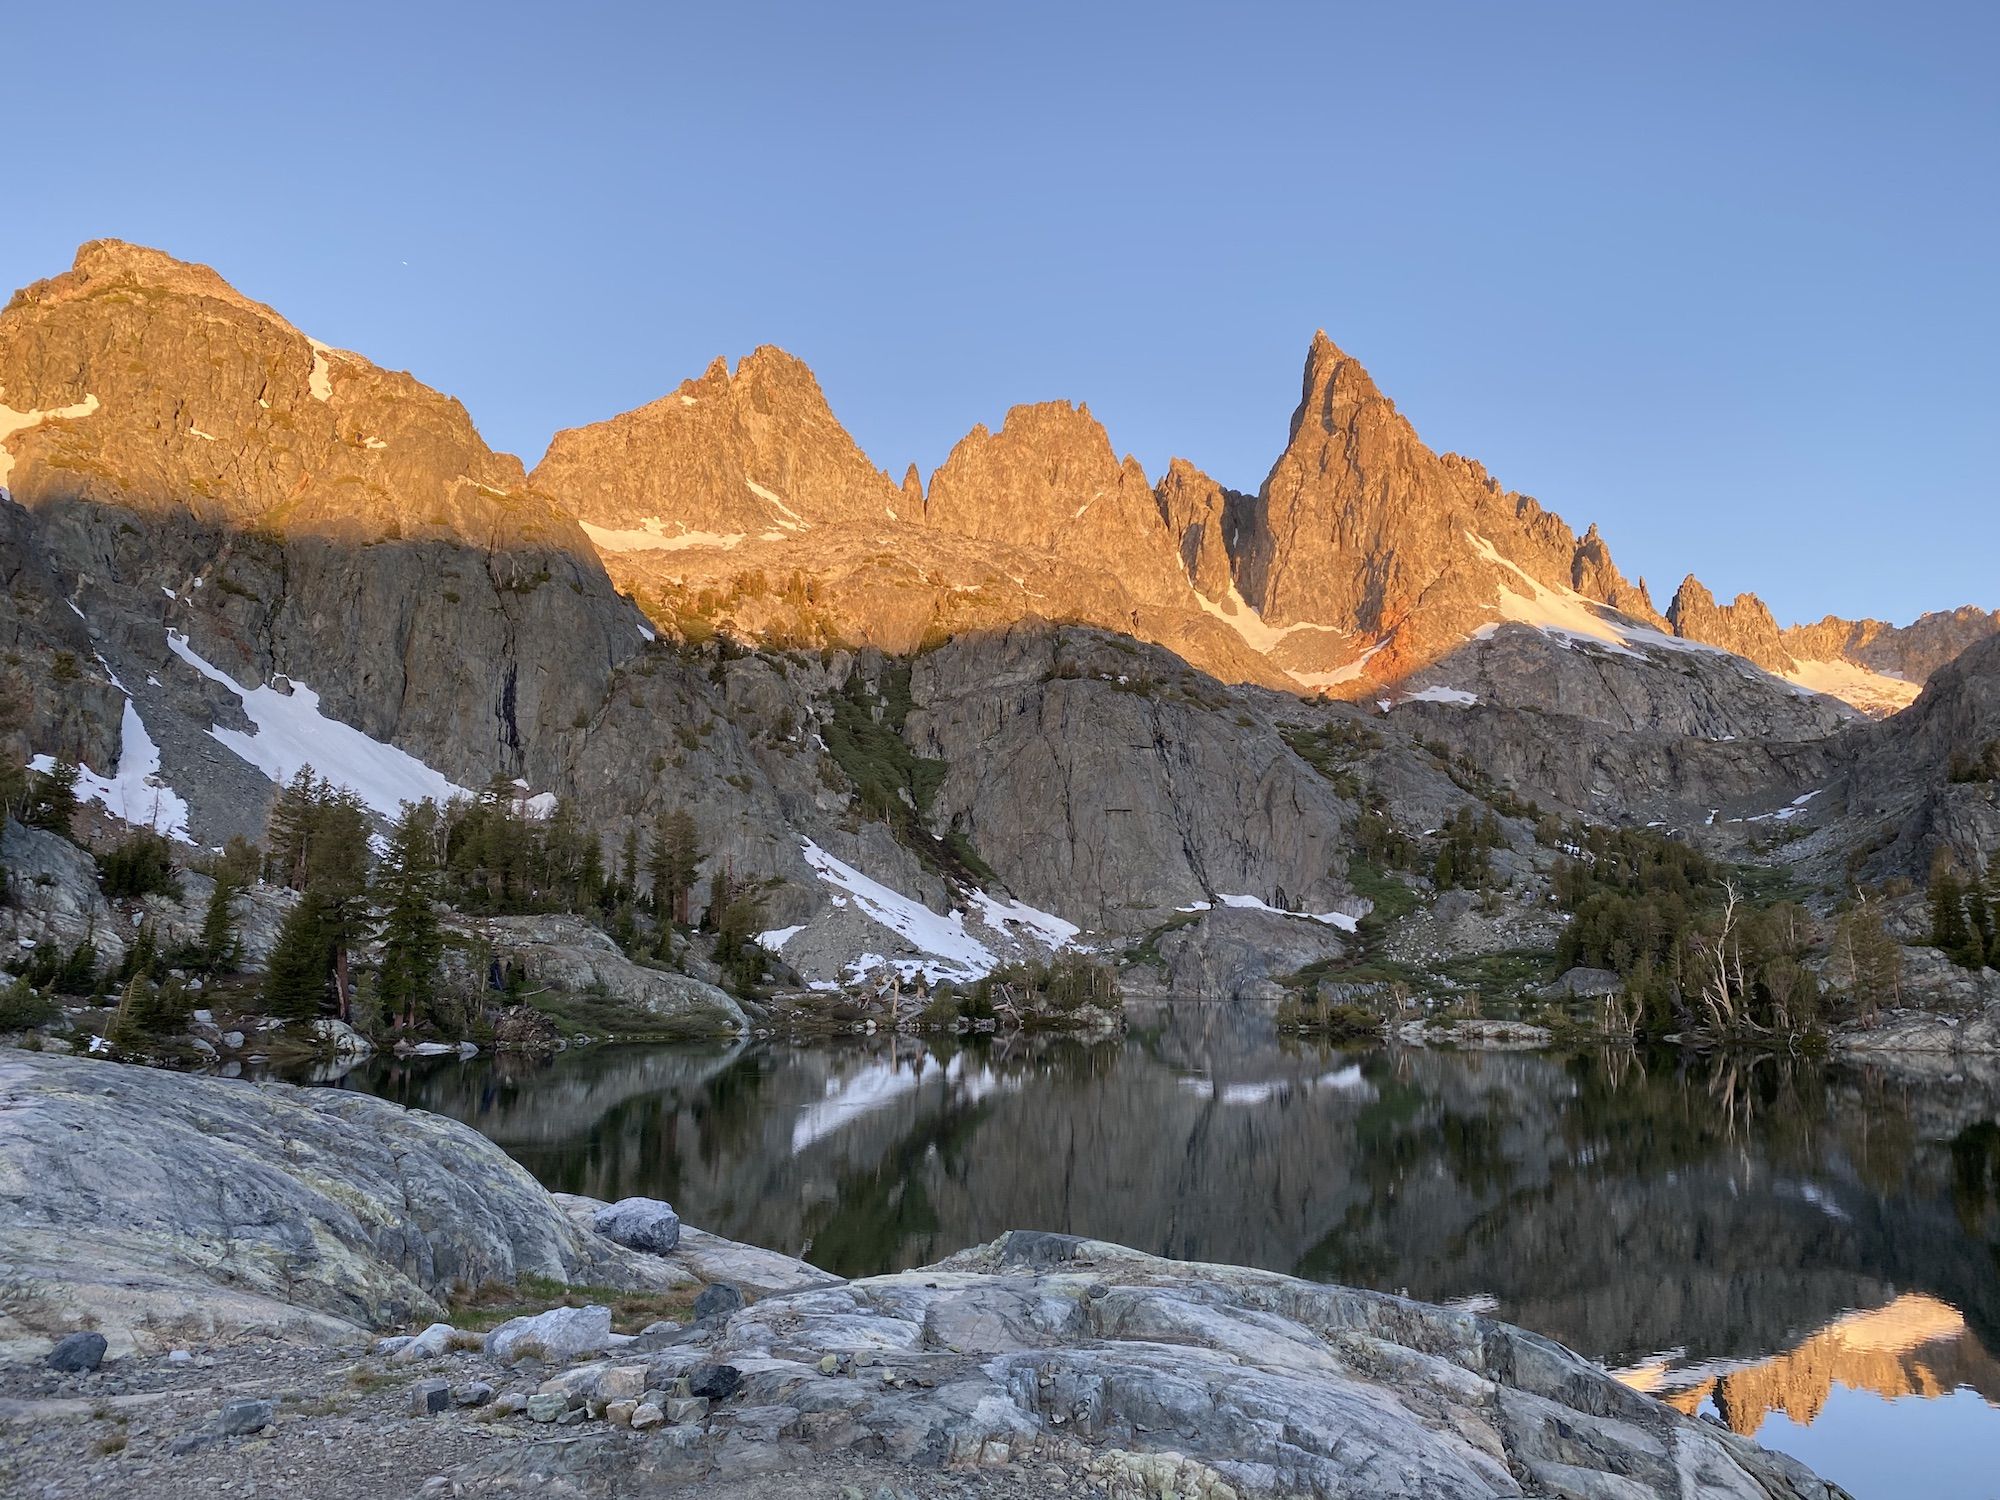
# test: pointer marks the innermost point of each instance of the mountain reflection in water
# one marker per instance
(1778, 1226)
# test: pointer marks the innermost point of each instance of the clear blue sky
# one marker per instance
(1719, 277)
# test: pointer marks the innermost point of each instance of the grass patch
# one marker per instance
(1393, 899)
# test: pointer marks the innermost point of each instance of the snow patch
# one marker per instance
(793, 520)
(136, 793)
(1870, 691)
(1000, 915)
(1454, 695)
(13, 421)
(775, 940)
(291, 733)
(320, 382)
(1338, 919)
(1570, 618)
(961, 955)
(651, 535)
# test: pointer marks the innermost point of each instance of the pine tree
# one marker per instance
(288, 835)
(220, 948)
(1867, 961)
(675, 859)
(628, 864)
(51, 799)
(407, 884)
(298, 979)
(1950, 931)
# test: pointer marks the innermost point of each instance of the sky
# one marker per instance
(1719, 278)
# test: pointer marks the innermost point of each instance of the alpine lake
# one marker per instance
(1806, 1250)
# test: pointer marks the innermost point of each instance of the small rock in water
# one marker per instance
(717, 1382)
(639, 1224)
(429, 1397)
(718, 1301)
(77, 1353)
(474, 1393)
(243, 1415)
(546, 1406)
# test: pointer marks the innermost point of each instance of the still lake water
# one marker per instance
(1808, 1251)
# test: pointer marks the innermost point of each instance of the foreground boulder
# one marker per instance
(153, 1205)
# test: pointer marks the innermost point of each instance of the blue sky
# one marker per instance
(1718, 277)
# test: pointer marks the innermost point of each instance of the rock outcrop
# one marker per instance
(1145, 1376)
(156, 1206)
(1744, 627)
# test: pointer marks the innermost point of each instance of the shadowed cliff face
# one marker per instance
(1723, 1210)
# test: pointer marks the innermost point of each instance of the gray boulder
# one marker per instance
(556, 1336)
(245, 1415)
(77, 1353)
(717, 1301)
(640, 1224)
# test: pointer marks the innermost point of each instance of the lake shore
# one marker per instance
(225, 1235)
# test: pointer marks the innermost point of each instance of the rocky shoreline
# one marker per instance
(242, 1249)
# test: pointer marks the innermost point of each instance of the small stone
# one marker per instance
(546, 1406)
(571, 1417)
(77, 1353)
(391, 1345)
(244, 1415)
(179, 1357)
(433, 1343)
(619, 1413)
(473, 1393)
(621, 1382)
(437, 1486)
(510, 1403)
(717, 1301)
(647, 1414)
(429, 1397)
(852, 1492)
(829, 1364)
(232, 1039)
(687, 1409)
(718, 1382)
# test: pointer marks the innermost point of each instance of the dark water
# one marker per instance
(1809, 1251)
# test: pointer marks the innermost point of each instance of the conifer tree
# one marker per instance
(407, 884)
(675, 858)
(298, 980)
(51, 799)
(220, 948)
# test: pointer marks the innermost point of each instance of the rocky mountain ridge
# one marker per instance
(232, 551)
